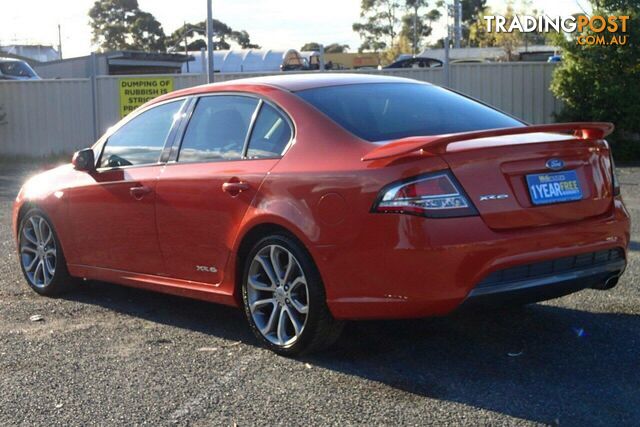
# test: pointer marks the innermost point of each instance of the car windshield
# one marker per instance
(385, 111)
(16, 69)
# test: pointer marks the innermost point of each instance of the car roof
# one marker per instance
(296, 82)
(288, 82)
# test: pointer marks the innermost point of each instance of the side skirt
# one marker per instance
(167, 285)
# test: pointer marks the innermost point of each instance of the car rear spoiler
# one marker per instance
(437, 144)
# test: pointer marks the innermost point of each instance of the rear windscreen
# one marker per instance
(16, 69)
(385, 111)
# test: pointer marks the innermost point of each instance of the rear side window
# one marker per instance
(141, 140)
(217, 129)
(386, 111)
(271, 134)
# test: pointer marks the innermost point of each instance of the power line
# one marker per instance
(582, 8)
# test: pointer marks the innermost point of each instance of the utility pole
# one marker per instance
(446, 68)
(322, 68)
(186, 46)
(415, 28)
(59, 42)
(209, 42)
(457, 23)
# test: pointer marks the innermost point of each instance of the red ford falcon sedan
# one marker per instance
(312, 199)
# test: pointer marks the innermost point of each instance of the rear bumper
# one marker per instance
(500, 289)
(402, 266)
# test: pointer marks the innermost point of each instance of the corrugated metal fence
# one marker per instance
(38, 118)
(46, 116)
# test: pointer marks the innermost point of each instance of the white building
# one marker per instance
(36, 52)
(245, 60)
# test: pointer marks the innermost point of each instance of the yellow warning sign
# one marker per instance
(136, 91)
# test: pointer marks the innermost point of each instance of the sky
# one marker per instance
(275, 24)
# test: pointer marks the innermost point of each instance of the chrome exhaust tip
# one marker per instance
(610, 282)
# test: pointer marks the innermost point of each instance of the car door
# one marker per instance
(228, 146)
(113, 208)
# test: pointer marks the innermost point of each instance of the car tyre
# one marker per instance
(41, 258)
(284, 298)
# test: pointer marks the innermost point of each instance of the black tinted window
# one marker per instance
(386, 111)
(271, 134)
(218, 128)
(141, 140)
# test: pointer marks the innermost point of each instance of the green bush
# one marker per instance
(602, 82)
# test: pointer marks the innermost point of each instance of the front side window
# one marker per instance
(379, 112)
(141, 140)
(271, 134)
(217, 129)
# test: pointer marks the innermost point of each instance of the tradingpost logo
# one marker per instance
(604, 30)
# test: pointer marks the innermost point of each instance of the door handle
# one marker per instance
(235, 187)
(139, 192)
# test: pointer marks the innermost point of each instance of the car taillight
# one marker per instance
(436, 195)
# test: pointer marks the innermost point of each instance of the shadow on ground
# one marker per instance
(541, 362)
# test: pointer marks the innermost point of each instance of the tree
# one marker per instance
(196, 37)
(508, 41)
(380, 24)
(473, 12)
(417, 23)
(195, 34)
(402, 45)
(336, 48)
(478, 33)
(242, 38)
(480, 36)
(330, 48)
(121, 25)
(602, 82)
(384, 23)
(311, 46)
(532, 37)
(146, 33)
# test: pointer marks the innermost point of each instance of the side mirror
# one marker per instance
(84, 160)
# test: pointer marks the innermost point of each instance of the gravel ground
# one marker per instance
(108, 355)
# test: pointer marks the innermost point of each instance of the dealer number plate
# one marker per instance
(546, 188)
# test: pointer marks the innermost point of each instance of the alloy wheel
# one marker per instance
(277, 295)
(38, 251)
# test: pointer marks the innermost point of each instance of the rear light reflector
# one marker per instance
(614, 177)
(436, 195)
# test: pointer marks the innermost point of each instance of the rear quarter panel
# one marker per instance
(322, 192)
